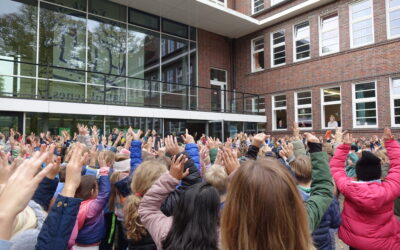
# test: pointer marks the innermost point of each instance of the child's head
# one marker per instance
(258, 214)
(144, 177)
(368, 167)
(88, 188)
(216, 175)
(109, 157)
(302, 169)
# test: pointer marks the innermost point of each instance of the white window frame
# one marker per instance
(277, 45)
(253, 6)
(392, 98)
(277, 109)
(294, 42)
(253, 69)
(323, 104)
(320, 18)
(388, 10)
(363, 100)
(361, 19)
(297, 107)
(224, 4)
(274, 2)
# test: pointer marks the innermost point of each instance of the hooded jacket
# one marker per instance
(368, 220)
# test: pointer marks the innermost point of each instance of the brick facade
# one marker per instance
(376, 62)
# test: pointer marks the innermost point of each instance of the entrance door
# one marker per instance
(216, 129)
(218, 85)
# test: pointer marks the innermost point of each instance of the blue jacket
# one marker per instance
(45, 191)
(331, 220)
(123, 186)
(193, 151)
(58, 225)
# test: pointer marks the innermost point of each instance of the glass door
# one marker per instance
(218, 87)
(216, 129)
(11, 120)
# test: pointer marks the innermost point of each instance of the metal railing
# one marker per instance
(54, 83)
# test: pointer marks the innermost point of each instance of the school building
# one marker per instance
(213, 66)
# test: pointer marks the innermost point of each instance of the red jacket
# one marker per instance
(368, 220)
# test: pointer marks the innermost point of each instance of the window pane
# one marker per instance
(107, 50)
(144, 19)
(108, 9)
(396, 87)
(175, 28)
(258, 5)
(361, 28)
(361, 9)
(281, 119)
(394, 3)
(193, 64)
(143, 54)
(17, 86)
(18, 28)
(192, 34)
(332, 116)
(53, 90)
(366, 113)
(218, 75)
(366, 121)
(365, 105)
(365, 86)
(332, 94)
(394, 17)
(62, 44)
(76, 4)
(174, 61)
(365, 94)
(397, 103)
(303, 94)
(280, 98)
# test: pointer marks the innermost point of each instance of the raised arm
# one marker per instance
(338, 163)
(392, 181)
(151, 216)
(136, 149)
(321, 185)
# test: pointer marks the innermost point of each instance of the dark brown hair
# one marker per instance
(87, 185)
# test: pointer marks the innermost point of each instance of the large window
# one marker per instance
(278, 54)
(303, 103)
(329, 34)
(331, 108)
(361, 23)
(279, 112)
(395, 101)
(393, 18)
(257, 54)
(258, 5)
(364, 106)
(302, 41)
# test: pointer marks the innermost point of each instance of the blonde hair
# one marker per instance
(121, 157)
(217, 177)
(109, 157)
(25, 220)
(382, 155)
(275, 216)
(144, 177)
(302, 169)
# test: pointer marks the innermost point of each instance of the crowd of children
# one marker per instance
(144, 192)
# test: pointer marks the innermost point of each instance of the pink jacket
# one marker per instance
(156, 223)
(368, 220)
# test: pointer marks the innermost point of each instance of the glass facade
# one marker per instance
(97, 52)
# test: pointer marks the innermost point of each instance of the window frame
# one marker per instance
(296, 109)
(253, 6)
(253, 69)
(275, 2)
(323, 104)
(359, 20)
(294, 42)
(364, 100)
(219, 3)
(392, 99)
(273, 46)
(320, 19)
(388, 10)
(274, 128)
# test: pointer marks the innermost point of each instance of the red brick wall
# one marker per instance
(379, 62)
(214, 52)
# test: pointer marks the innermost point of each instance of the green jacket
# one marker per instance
(351, 169)
(213, 155)
(321, 189)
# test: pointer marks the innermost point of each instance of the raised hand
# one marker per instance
(296, 131)
(5, 168)
(171, 145)
(311, 138)
(177, 166)
(187, 138)
(74, 168)
(211, 143)
(339, 135)
(387, 135)
(136, 136)
(348, 139)
(287, 150)
(19, 189)
(231, 162)
(259, 139)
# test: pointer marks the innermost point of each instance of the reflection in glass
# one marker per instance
(62, 44)
(107, 50)
(65, 91)
(18, 28)
(17, 86)
(108, 9)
